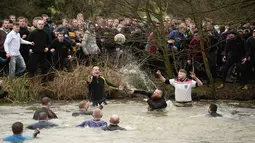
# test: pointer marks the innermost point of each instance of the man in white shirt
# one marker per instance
(182, 84)
(11, 46)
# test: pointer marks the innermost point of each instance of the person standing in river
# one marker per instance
(46, 102)
(96, 87)
(183, 85)
(156, 99)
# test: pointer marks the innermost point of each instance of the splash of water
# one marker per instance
(134, 77)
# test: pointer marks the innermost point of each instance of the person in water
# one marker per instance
(96, 122)
(156, 99)
(17, 137)
(83, 109)
(182, 84)
(96, 87)
(212, 111)
(114, 121)
(43, 122)
(46, 102)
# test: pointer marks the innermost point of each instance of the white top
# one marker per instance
(183, 89)
(12, 43)
(89, 44)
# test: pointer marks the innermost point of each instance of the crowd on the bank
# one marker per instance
(47, 44)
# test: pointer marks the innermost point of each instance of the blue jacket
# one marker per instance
(41, 124)
(17, 138)
(92, 124)
(173, 36)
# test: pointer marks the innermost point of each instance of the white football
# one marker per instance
(120, 38)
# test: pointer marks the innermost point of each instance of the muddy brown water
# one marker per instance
(174, 124)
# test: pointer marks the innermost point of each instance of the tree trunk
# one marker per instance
(207, 66)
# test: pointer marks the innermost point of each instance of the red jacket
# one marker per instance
(194, 49)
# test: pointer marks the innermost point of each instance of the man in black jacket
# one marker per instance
(24, 49)
(251, 48)
(39, 51)
(46, 102)
(96, 85)
(114, 121)
(61, 50)
(155, 101)
(236, 53)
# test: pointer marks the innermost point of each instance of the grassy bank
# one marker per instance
(73, 86)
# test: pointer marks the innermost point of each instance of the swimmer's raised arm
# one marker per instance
(144, 92)
(161, 77)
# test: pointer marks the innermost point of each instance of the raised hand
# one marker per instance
(52, 50)
(158, 73)
(193, 75)
(189, 62)
(89, 80)
(244, 61)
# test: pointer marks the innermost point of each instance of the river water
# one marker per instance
(175, 124)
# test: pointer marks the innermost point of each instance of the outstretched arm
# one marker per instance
(110, 85)
(162, 78)
(144, 92)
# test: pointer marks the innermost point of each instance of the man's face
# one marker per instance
(181, 75)
(16, 28)
(75, 23)
(110, 22)
(182, 30)
(174, 22)
(40, 24)
(60, 37)
(13, 18)
(167, 18)
(156, 94)
(92, 27)
(116, 22)
(96, 71)
(65, 23)
(196, 36)
(22, 23)
(45, 18)
(6, 24)
(232, 35)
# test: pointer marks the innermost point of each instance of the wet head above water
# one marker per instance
(173, 124)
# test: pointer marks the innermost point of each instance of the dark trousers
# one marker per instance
(41, 59)
(212, 58)
(241, 68)
(251, 69)
(62, 62)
